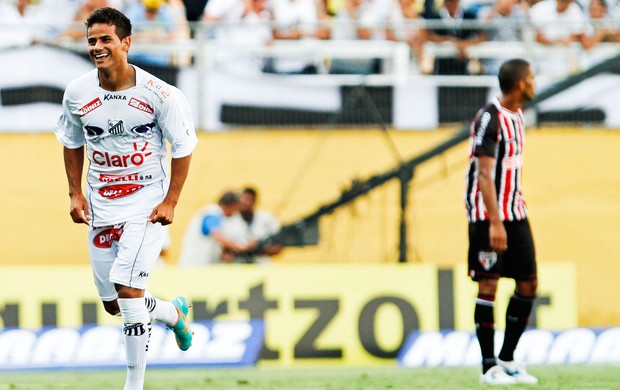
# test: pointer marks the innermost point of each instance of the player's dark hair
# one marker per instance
(511, 72)
(228, 198)
(113, 17)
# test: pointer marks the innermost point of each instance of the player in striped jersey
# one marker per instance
(500, 239)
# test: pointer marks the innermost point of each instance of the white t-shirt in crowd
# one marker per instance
(554, 25)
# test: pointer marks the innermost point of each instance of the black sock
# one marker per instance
(517, 316)
(485, 329)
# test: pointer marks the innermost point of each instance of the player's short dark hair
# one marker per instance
(229, 198)
(511, 72)
(110, 16)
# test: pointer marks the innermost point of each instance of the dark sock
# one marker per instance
(485, 329)
(517, 316)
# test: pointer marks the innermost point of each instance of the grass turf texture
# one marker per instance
(328, 378)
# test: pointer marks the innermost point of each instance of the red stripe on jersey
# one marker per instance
(506, 189)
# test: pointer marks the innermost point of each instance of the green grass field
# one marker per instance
(328, 378)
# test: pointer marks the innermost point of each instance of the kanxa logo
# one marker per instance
(143, 274)
(109, 96)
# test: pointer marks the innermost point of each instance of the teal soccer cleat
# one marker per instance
(181, 329)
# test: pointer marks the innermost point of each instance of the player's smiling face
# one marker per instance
(105, 48)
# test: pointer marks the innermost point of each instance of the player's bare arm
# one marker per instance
(497, 231)
(74, 163)
(164, 212)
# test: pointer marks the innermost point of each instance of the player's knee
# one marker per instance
(527, 288)
(112, 308)
(487, 286)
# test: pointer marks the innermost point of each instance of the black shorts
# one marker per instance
(518, 262)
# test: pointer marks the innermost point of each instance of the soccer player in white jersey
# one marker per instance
(121, 117)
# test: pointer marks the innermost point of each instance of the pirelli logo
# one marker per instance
(140, 105)
(93, 105)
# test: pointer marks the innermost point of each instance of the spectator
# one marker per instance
(14, 29)
(402, 15)
(76, 30)
(216, 234)
(156, 21)
(507, 18)
(261, 226)
(600, 27)
(296, 20)
(451, 14)
(26, 22)
(360, 19)
(558, 23)
(241, 23)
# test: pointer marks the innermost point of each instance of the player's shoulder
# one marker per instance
(84, 84)
(487, 112)
(154, 86)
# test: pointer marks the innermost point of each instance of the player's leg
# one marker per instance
(138, 248)
(136, 334)
(484, 319)
(520, 261)
(102, 248)
(174, 315)
(485, 269)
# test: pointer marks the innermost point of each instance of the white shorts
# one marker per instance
(124, 254)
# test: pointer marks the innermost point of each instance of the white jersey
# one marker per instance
(124, 133)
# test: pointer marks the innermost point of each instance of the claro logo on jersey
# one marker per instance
(140, 105)
(119, 190)
(89, 107)
(136, 158)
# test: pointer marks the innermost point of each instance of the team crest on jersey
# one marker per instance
(145, 130)
(487, 259)
(90, 106)
(140, 105)
(115, 126)
(93, 133)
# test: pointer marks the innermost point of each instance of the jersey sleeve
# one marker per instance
(486, 128)
(68, 129)
(177, 125)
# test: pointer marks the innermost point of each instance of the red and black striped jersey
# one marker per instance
(500, 133)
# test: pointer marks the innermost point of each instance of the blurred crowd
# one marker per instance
(585, 23)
